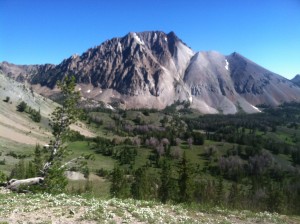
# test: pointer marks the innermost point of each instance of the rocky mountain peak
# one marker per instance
(155, 69)
(296, 80)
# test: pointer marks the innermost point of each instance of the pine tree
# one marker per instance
(185, 183)
(276, 198)
(36, 115)
(165, 190)
(120, 187)
(30, 170)
(52, 173)
(2, 177)
(21, 107)
(60, 122)
(19, 170)
(219, 192)
(233, 196)
(37, 160)
(55, 180)
(140, 187)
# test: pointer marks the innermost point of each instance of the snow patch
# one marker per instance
(227, 65)
(136, 37)
(109, 107)
(254, 107)
(166, 39)
(119, 47)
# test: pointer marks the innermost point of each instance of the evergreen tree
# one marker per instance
(55, 180)
(21, 107)
(166, 186)
(219, 192)
(185, 182)
(141, 188)
(36, 115)
(233, 196)
(2, 177)
(275, 200)
(60, 122)
(30, 170)
(198, 138)
(19, 171)
(120, 187)
(37, 160)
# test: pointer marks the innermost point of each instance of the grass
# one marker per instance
(7, 146)
(96, 187)
(81, 147)
(44, 208)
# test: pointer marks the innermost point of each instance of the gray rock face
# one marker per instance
(154, 69)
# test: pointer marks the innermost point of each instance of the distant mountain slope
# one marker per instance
(155, 69)
(18, 127)
(296, 80)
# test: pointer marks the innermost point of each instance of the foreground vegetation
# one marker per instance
(63, 208)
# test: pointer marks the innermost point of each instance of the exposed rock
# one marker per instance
(296, 80)
(155, 69)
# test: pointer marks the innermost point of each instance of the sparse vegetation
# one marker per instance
(21, 107)
(6, 100)
(34, 114)
(81, 209)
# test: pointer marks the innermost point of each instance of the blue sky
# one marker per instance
(48, 31)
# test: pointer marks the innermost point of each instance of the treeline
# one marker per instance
(180, 182)
(246, 176)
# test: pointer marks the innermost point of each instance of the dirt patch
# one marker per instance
(72, 175)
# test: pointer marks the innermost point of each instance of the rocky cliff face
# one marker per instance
(154, 69)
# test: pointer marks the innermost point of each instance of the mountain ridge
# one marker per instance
(153, 69)
(296, 80)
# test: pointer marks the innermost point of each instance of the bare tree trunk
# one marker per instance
(14, 185)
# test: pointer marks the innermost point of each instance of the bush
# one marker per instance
(7, 99)
(2, 177)
(2, 162)
(198, 138)
(21, 107)
(35, 115)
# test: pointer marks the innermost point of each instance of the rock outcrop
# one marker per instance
(155, 69)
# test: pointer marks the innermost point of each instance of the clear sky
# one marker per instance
(48, 31)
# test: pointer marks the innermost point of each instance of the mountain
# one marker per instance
(155, 69)
(296, 80)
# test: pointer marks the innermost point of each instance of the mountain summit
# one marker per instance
(155, 69)
(296, 80)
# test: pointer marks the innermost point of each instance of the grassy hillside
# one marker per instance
(46, 208)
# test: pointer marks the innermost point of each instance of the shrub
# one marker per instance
(6, 100)
(21, 107)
